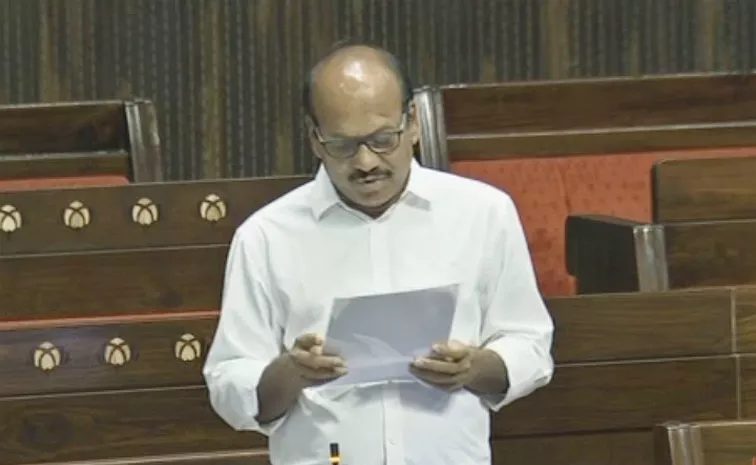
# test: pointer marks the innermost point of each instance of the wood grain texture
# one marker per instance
(615, 397)
(598, 103)
(112, 283)
(106, 353)
(728, 443)
(747, 378)
(642, 325)
(176, 218)
(52, 165)
(600, 142)
(745, 313)
(612, 448)
(704, 189)
(89, 426)
(716, 253)
(237, 457)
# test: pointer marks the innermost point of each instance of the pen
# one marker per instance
(335, 456)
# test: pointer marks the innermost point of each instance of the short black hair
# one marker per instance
(394, 64)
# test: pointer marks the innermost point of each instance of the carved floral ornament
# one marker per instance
(47, 357)
(212, 208)
(76, 215)
(10, 219)
(117, 352)
(188, 348)
(145, 212)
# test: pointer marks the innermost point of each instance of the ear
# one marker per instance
(311, 138)
(414, 123)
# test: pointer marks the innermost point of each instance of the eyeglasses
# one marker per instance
(381, 142)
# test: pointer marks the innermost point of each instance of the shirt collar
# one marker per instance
(324, 195)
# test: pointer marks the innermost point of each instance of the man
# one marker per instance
(373, 221)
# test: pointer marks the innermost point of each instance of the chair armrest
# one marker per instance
(601, 253)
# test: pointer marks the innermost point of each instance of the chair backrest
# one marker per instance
(706, 443)
(64, 143)
(430, 114)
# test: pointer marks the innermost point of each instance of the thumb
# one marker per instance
(308, 341)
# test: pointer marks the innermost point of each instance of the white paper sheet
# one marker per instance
(380, 335)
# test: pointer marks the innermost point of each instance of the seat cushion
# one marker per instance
(536, 188)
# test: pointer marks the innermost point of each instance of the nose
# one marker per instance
(365, 160)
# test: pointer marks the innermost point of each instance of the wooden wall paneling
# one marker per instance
(136, 215)
(703, 189)
(642, 325)
(622, 396)
(744, 306)
(603, 103)
(605, 448)
(76, 355)
(715, 253)
(108, 283)
(104, 425)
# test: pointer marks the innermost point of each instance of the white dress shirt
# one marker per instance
(290, 259)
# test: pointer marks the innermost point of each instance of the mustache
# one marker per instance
(359, 175)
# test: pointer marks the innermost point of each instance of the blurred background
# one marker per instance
(225, 75)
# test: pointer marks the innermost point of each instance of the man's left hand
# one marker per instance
(450, 366)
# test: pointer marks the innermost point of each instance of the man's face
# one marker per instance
(366, 148)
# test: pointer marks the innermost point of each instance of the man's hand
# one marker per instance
(450, 366)
(311, 364)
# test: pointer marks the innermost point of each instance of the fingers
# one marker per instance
(441, 366)
(308, 341)
(452, 351)
(442, 381)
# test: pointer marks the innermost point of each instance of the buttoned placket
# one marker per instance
(380, 258)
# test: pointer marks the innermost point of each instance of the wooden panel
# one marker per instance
(747, 376)
(63, 127)
(614, 448)
(120, 424)
(745, 314)
(728, 442)
(174, 212)
(627, 140)
(598, 397)
(716, 253)
(64, 165)
(245, 457)
(111, 283)
(647, 325)
(704, 189)
(104, 353)
(598, 103)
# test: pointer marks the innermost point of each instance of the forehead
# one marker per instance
(358, 101)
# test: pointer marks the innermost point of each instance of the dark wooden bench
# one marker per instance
(704, 222)
(585, 147)
(130, 386)
(78, 143)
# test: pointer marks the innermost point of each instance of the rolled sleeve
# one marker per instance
(527, 370)
(516, 324)
(248, 337)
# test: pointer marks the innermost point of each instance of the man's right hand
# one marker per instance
(311, 364)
